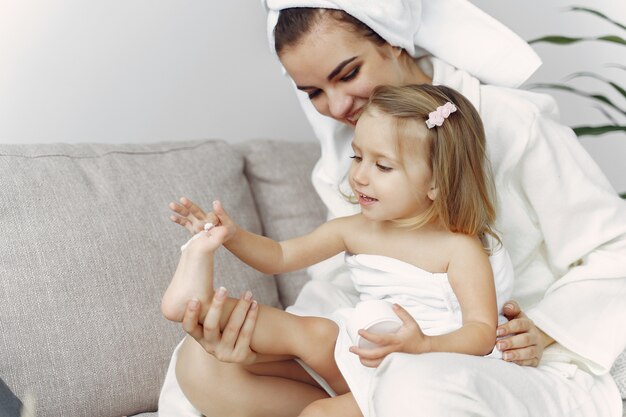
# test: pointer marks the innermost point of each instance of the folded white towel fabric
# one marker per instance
(455, 31)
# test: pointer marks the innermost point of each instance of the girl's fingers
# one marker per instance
(404, 315)
(382, 339)
(371, 363)
(371, 354)
(218, 210)
(193, 208)
(183, 222)
(177, 208)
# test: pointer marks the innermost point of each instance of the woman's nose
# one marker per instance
(339, 104)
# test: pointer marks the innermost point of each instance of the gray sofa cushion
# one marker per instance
(86, 255)
(280, 177)
(619, 373)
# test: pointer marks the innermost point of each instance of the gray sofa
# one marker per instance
(87, 251)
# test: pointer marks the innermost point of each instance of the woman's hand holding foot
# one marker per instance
(232, 344)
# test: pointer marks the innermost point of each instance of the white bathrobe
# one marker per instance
(565, 229)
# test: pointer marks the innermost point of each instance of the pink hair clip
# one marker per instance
(436, 118)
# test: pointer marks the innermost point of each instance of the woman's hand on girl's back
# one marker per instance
(523, 342)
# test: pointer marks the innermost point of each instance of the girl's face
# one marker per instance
(338, 69)
(390, 186)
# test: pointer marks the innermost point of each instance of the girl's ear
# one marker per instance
(433, 192)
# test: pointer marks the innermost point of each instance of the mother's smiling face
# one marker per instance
(338, 67)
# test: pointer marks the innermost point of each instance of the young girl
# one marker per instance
(422, 242)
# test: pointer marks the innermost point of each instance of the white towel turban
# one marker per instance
(455, 31)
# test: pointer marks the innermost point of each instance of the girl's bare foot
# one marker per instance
(194, 275)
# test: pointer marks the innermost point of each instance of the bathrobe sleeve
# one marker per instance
(583, 223)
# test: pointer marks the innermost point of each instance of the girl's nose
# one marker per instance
(339, 104)
(359, 174)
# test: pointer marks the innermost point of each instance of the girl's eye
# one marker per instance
(356, 158)
(351, 74)
(383, 168)
(314, 93)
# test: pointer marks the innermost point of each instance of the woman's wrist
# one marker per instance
(545, 339)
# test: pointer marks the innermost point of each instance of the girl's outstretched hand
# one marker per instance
(408, 339)
(523, 342)
(224, 220)
(189, 215)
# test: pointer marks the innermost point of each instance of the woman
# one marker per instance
(559, 218)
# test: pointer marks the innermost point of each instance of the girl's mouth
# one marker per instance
(366, 200)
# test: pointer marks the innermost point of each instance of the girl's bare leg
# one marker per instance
(311, 339)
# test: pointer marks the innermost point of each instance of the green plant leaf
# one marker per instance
(597, 130)
(566, 40)
(618, 66)
(611, 38)
(597, 13)
(559, 40)
(606, 114)
(623, 195)
(597, 77)
(596, 97)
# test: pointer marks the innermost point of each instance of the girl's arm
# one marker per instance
(471, 278)
(272, 257)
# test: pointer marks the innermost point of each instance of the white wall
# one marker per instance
(140, 71)
(152, 70)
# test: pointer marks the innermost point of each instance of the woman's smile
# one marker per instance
(353, 117)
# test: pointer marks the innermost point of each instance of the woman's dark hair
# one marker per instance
(293, 23)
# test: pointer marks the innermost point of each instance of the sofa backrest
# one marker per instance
(279, 176)
(87, 252)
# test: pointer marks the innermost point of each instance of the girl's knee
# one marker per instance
(320, 331)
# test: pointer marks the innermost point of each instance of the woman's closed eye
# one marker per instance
(314, 93)
(352, 74)
(356, 158)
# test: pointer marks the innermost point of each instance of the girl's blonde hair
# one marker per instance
(457, 154)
